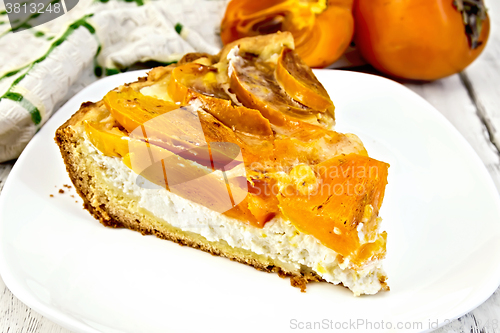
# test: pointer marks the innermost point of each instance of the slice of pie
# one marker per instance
(235, 154)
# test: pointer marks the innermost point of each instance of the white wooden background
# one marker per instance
(470, 101)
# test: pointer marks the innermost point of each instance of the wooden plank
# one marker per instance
(4, 172)
(17, 317)
(483, 77)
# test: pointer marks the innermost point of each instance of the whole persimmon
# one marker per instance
(420, 39)
(322, 29)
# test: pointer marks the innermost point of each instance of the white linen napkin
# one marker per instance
(44, 66)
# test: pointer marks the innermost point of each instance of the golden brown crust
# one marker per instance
(111, 214)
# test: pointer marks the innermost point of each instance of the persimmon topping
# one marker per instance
(182, 130)
(194, 81)
(300, 83)
(254, 83)
(316, 149)
(255, 125)
(110, 141)
(334, 209)
(190, 80)
(131, 108)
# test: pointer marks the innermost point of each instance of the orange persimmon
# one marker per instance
(322, 29)
(420, 40)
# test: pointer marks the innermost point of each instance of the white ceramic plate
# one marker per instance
(441, 212)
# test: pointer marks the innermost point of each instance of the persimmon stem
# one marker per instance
(473, 14)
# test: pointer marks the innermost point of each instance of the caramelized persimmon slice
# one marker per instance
(195, 81)
(331, 212)
(254, 84)
(298, 80)
(190, 80)
(182, 130)
(155, 121)
(131, 109)
(111, 142)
